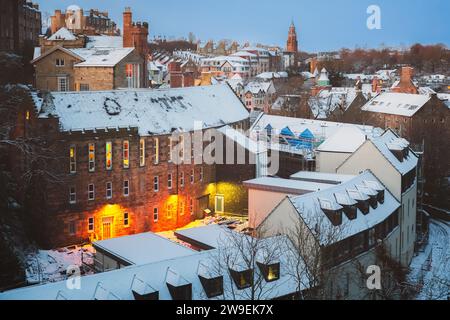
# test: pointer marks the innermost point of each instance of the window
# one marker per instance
(72, 195)
(73, 159)
(133, 75)
(271, 272)
(27, 115)
(155, 214)
(219, 204)
(192, 176)
(170, 149)
(156, 184)
(182, 179)
(108, 190)
(84, 87)
(191, 206)
(142, 152)
(60, 62)
(72, 228)
(91, 192)
(126, 154)
(126, 219)
(91, 157)
(170, 208)
(243, 279)
(181, 142)
(213, 286)
(169, 181)
(156, 150)
(108, 155)
(181, 208)
(201, 173)
(90, 224)
(63, 84)
(126, 188)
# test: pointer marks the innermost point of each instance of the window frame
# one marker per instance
(126, 188)
(91, 192)
(73, 158)
(126, 154)
(109, 155)
(156, 184)
(110, 189)
(91, 162)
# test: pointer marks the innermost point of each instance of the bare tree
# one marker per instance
(240, 257)
(308, 262)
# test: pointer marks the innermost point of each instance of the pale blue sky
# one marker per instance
(322, 25)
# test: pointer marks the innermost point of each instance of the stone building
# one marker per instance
(20, 25)
(423, 120)
(115, 153)
(66, 61)
(93, 23)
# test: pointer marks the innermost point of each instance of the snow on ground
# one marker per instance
(51, 265)
(431, 267)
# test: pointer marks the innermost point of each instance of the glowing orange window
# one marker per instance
(108, 156)
(126, 154)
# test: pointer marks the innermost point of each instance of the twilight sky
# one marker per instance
(322, 25)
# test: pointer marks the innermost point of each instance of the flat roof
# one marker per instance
(321, 177)
(289, 186)
(209, 236)
(142, 248)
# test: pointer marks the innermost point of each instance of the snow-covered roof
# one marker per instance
(101, 57)
(386, 142)
(320, 129)
(322, 177)
(241, 139)
(288, 186)
(272, 75)
(211, 235)
(345, 139)
(309, 207)
(255, 87)
(244, 54)
(403, 104)
(104, 42)
(327, 100)
(444, 97)
(143, 248)
(37, 52)
(62, 34)
(159, 111)
(120, 283)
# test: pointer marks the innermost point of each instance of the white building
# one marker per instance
(395, 164)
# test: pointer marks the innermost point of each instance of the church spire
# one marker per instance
(292, 42)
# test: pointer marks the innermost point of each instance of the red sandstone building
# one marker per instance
(94, 23)
(113, 155)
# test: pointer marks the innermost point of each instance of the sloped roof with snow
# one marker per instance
(62, 34)
(345, 139)
(272, 75)
(101, 57)
(118, 284)
(403, 104)
(310, 210)
(389, 140)
(256, 86)
(143, 248)
(159, 111)
(241, 139)
(324, 177)
(320, 129)
(211, 235)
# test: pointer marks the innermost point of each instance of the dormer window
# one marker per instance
(213, 286)
(348, 204)
(270, 272)
(183, 292)
(378, 188)
(179, 287)
(361, 199)
(373, 202)
(332, 210)
(242, 279)
(142, 290)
